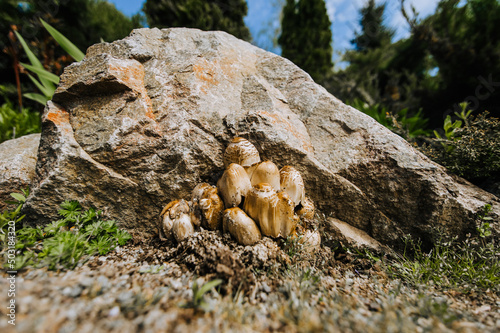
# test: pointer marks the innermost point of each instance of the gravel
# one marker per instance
(147, 287)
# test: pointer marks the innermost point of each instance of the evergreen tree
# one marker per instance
(306, 36)
(370, 58)
(374, 33)
(464, 41)
(225, 15)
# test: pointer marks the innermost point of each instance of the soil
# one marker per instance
(147, 286)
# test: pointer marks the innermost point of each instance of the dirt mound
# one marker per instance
(215, 255)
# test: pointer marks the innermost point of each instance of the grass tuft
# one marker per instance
(62, 243)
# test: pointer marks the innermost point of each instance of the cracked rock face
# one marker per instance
(17, 165)
(141, 121)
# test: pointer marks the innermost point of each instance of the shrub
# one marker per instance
(409, 127)
(471, 151)
(14, 124)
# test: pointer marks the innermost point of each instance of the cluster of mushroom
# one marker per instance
(257, 199)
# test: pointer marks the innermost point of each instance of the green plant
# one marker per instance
(292, 245)
(198, 301)
(484, 228)
(409, 127)
(469, 264)
(46, 80)
(12, 215)
(450, 128)
(471, 151)
(152, 269)
(14, 124)
(62, 243)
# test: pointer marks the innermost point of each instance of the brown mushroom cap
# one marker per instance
(286, 216)
(207, 206)
(306, 209)
(198, 191)
(261, 204)
(241, 226)
(242, 152)
(233, 185)
(311, 240)
(292, 183)
(266, 172)
(182, 227)
(170, 213)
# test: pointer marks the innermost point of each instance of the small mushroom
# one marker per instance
(199, 190)
(233, 185)
(286, 216)
(266, 172)
(311, 240)
(305, 209)
(240, 226)
(292, 183)
(173, 218)
(261, 204)
(182, 228)
(242, 152)
(207, 206)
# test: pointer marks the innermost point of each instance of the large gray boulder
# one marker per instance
(17, 165)
(141, 121)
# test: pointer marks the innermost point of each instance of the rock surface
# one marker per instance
(141, 121)
(17, 165)
(352, 236)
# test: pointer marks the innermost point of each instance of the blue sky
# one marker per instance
(264, 16)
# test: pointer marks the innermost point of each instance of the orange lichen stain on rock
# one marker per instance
(279, 121)
(206, 72)
(133, 77)
(60, 118)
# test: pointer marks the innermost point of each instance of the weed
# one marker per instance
(468, 265)
(153, 269)
(292, 245)
(62, 243)
(198, 301)
(484, 228)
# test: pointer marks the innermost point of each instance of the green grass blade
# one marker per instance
(42, 73)
(208, 286)
(18, 196)
(37, 98)
(31, 56)
(64, 42)
(48, 91)
(33, 59)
